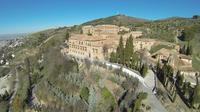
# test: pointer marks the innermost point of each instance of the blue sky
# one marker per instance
(19, 16)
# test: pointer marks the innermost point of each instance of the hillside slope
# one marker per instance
(117, 20)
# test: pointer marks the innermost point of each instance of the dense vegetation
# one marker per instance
(126, 56)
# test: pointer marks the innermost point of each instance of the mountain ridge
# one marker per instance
(124, 20)
(120, 20)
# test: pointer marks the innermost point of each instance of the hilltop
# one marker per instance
(119, 20)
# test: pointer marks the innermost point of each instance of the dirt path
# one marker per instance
(4, 84)
(46, 41)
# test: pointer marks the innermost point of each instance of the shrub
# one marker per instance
(84, 94)
(4, 71)
(106, 93)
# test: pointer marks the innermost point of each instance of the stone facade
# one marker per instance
(97, 42)
(140, 44)
(134, 34)
(186, 59)
(103, 30)
(178, 61)
(93, 47)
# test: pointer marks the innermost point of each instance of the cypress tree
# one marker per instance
(196, 96)
(143, 70)
(128, 51)
(180, 79)
(113, 57)
(188, 49)
(67, 35)
(167, 72)
(158, 67)
(120, 51)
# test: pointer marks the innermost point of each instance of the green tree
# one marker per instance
(180, 79)
(158, 68)
(188, 49)
(182, 49)
(196, 97)
(120, 51)
(67, 36)
(134, 62)
(84, 94)
(113, 57)
(144, 70)
(167, 72)
(128, 51)
(187, 34)
(138, 102)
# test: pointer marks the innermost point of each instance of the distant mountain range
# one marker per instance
(11, 36)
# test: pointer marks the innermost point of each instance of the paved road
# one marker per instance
(46, 41)
(155, 104)
(149, 79)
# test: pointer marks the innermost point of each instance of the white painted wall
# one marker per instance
(127, 71)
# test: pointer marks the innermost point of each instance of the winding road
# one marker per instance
(147, 85)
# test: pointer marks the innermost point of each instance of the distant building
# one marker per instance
(140, 44)
(134, 34)
(166, 55)
(185, 58)
(103, 30)
(178, 61)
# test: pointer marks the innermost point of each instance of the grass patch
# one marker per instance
(108, 100)
(106, 93)
(195, 63)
